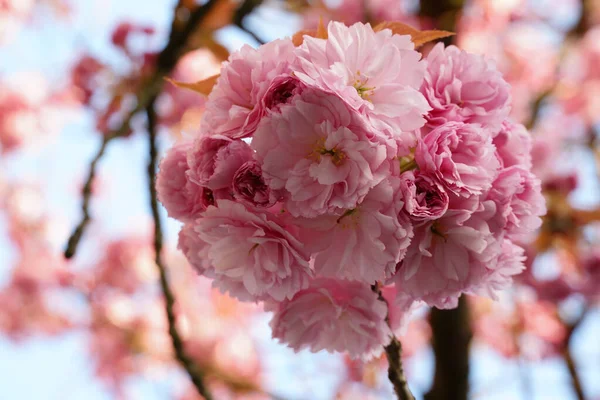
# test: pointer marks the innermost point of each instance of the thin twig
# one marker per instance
(187, 363)
(251, 33)
(247, 7)
(568, 357)
(166, 61)
(86, 192)
(393, 352)
(396, 375)
(85, 205)
(574, 374)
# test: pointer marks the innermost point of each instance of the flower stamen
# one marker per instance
(360, 84)
(337, 156)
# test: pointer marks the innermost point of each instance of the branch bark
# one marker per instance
(451, 329)
(166, 61)
(186, 362)
(451, 337)
(573, 373)
(393, 352)
(244, 10)
(568, 357)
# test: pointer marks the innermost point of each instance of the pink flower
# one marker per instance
(513, 144)
(464, 87)
(333, 315)
(319, 152)
(183, 199)
(235, 105)
(497, 276)
(282, 89)
(249, 186)
(364, 243)
(195, 250)
(444, 254)
(400, 306)
(214, 160)
(519, 201)
(377, 73)
(254, 249)
(460, 156)
(424, 199)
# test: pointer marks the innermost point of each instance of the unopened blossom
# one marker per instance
(464, 87)
(249, 186)
(517, 195)
(213, 160)
(235, 105)
(376, 73)
(424, 199)
(513, 144)
(459, 156)
(364, 243)
(254, 249)
(183, 199)
(333, 315)
(318, 151)
(281, 91)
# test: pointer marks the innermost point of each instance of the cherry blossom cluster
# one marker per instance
(346, 179)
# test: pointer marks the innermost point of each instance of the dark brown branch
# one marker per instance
(574, 374)
(178, 346)
(451, 337)
(393, 352)
(244, 10)
(86, 192)
(85, 205)
(167, 60)
(451, 329)
(568, 357)
(578, 30)
(251, 33)
(441, 14)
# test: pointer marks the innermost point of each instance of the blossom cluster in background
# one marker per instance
(325, 172)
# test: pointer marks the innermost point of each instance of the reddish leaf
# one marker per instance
(203, 87)
(319, 33)
(418, 37)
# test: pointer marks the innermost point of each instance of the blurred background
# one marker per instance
(75, 79)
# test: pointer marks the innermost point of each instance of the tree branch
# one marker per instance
(451, 329)
(393, 352)
(167, 59)
(85, 205)
(573, 373)
(186, 362)
(451, 337)
(86, 192)
(568, 357)
(247, 7)
(251, 33)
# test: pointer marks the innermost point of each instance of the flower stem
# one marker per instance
(393, 352)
